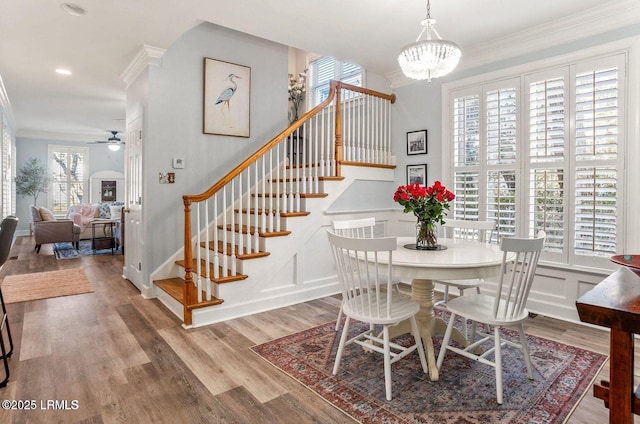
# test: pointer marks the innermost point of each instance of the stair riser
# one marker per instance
(221, 259)
(289, 206)
(308, 186)
(264, 221)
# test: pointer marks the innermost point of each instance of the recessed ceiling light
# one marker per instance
(63, 71)
(73, 9)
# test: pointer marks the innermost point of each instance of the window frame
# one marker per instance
(337, 71)
(627, 153)
(52, 148)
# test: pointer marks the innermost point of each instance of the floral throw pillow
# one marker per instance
(104, 211)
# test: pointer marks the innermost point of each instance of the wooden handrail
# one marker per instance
(390, 97)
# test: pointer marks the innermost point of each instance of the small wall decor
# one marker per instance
(227, 98)
(108, 191)
(417, 174)
(417, 142)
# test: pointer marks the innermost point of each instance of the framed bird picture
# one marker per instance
(227, 98)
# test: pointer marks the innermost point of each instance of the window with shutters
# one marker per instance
(68, 167)
(325, 69)
(547, 159)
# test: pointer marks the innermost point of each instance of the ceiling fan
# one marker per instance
(114, 142)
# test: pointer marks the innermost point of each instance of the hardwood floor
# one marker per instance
(122, 358)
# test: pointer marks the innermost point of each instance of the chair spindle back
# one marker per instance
(365, 281)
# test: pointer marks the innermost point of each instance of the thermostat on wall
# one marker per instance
(178, 163)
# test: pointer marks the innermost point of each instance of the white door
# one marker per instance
(134, 241)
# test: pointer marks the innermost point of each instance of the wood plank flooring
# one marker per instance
(127, 359)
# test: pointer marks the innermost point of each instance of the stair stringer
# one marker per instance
(278, 280)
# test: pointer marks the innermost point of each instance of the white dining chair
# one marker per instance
(468, 230)
(507, 308)
(358, 228)
(368, 297)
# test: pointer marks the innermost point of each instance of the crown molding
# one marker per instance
(5, 104)
(146, 56)
(594, 21)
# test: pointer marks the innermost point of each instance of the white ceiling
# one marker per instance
(37, 36)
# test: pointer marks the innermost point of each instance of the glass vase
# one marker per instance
(426, 235)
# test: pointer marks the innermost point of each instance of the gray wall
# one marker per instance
(100, 159)
(174, 125)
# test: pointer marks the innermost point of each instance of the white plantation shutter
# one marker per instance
(466, 146)
(7, 173)
(325, 69)
(546, 206)
(597, 117)
(467, 202)
(501, 126)
(501, 201)
(547, 120)
(501, 112)
(67, 164)
(551, 161)
(595, 211)
(548, 166)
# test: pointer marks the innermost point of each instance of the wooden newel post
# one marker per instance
(188, 291)
(339, 154)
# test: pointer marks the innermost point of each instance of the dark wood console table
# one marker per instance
(615, 303)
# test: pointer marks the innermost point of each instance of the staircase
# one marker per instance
(273, 201)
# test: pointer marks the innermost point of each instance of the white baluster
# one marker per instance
(216, 258)
(256, 207)
(198, 254)
(234, 233)
(240, 248)
(316, 161)
(207, 271)
(277, 198)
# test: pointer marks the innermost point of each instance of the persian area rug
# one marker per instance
(45, 285)
(465, 392)
(67, 251)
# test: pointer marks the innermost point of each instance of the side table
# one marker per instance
(107, 241)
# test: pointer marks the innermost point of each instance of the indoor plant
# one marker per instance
(32, 179)
(428, 204)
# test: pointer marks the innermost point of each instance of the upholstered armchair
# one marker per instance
(48, 229)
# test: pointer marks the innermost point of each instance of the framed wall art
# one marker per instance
(227, 98)
(417, 174)
(417, 142)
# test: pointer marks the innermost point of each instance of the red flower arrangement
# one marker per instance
(426, 203)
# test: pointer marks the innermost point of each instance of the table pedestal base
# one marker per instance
(428, 324)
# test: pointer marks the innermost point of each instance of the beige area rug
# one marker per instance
(45, 285)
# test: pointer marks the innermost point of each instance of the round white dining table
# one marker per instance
(461, 260)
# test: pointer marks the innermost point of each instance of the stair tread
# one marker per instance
(244, 255)
(252, 230)
(174, 287)
(219, 280)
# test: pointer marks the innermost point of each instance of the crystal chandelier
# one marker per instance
(431, 57)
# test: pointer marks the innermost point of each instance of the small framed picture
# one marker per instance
(417, 142)
(417, 174)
